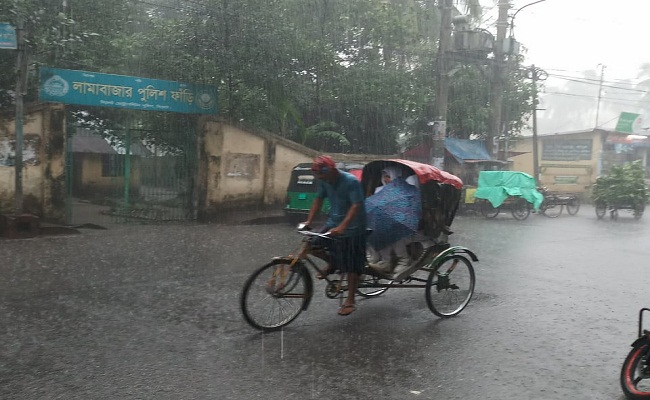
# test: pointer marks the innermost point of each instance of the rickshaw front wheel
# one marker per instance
(573, 206)
(488, 210)
(551, 210)
(276, 294)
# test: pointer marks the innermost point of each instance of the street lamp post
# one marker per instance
(535, 74)
(512, 19)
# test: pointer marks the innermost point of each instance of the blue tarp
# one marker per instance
(466, 150)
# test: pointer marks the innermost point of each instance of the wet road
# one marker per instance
(151, 312)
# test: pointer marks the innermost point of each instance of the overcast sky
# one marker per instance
(575, 38)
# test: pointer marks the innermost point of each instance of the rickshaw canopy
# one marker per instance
(497, 186)
(440, 191)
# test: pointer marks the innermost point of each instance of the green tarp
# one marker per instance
(497, 186)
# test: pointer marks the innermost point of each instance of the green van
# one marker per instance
(302, 190)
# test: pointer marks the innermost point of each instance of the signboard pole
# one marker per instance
(127, 164)
(21, 66)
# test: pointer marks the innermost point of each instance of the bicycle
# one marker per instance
(275, 294)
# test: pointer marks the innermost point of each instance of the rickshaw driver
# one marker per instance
(346, 221)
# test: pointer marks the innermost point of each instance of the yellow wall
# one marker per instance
(92, 179)
(560, 175)
(241, 168)
(43, 178)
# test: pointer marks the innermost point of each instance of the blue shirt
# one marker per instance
(342, 194)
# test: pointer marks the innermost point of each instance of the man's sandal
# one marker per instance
(347, 309)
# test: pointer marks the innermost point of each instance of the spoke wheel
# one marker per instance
(275, 295)
(635, 376)
(520, 210)
(638, 211)
(450, 286)
(369, 285)
(551, 210)
(601, 209)
(573, 206)
(488, 210)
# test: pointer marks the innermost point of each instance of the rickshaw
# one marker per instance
(275, 294)
(507, 189)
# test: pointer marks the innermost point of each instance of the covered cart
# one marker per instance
(512, 189)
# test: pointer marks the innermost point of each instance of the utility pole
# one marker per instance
(600, 92)
(603, 137)
(442, 82)
(497, 75)
(21, 80)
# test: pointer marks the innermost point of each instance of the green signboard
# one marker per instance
(566, 179)
(628, 122)
(7, 36)
(119, 91)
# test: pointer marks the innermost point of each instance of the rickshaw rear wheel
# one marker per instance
(601, 209)
(520, 210)
(450, 286)
(276, 294)
(488, 210)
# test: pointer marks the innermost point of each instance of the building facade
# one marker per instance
(571, 161)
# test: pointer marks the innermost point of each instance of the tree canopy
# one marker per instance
(336, 75)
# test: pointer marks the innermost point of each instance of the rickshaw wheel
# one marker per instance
(275, 294)
(520, 210)
(601, 209)
(638, 211)
(551, 211)
(573, 206)
(450, 286)
(367, 285)
(488, 210)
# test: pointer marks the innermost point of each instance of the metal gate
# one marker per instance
(130, 175)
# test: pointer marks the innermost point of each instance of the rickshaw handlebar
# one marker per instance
(305, 230)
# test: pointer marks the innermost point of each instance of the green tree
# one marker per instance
(344, 75)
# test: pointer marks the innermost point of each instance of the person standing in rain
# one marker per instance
(346, 223)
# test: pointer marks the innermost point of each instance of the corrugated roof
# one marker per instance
(91, 144)
(85, 141)
(467, 150)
